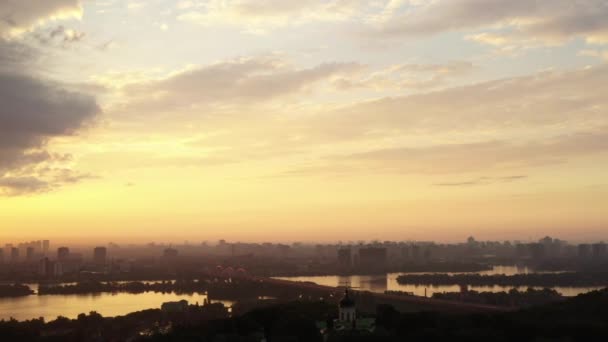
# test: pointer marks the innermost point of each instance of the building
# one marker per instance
(373, 259)
(598, 251)
(345, 261)
(63, 253)
(538, 251)
(100, 255)
(29, 254)
(45, 267)
(58, 269)
(46, 244)
(14, 254)
(1, 256)
(347, 324)
(584, 251)
(347, 310)
(170, 253)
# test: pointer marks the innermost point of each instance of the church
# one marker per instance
(347, 309)
(348, 321)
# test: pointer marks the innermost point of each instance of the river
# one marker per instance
(107, 304)
(115, 304)
(381, 283)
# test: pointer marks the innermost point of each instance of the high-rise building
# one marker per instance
(599, 250)
(58, 269)
(538, 251)
(1, 256)
(45, 267)
(584, 251)
(63, 253)
(45, 246)
(99, 255)
(29, 253)
(373, 258)
(14, 254)
(345, 258)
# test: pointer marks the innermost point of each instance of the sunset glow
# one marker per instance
(321, 120)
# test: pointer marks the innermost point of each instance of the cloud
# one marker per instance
(13, 55)
(229, 83)
(44, 179)
(406, 76)
(483, 181)
(59, 36)
(13, 186)
(550, 99)
(505, 122)
(485, 155)
(34, 111)
(256, 16)
(601, 54)
(18, 16)
(548, 20)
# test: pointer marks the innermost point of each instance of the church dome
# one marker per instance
(347, 302)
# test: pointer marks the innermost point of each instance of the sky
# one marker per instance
(309, 120)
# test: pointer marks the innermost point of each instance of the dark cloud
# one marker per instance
(39, 179)
(15, 55)
(13, 186)
(34, 111)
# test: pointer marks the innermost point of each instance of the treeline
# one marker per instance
(445, 267)
(92, 287)
(218, 289)
(15, 290)
(574, 279)
(95, 327)
(512, 298)
(582, 318)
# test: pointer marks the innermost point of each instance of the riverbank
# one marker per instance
(569, 279)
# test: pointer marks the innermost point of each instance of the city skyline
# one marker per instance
(321, 120)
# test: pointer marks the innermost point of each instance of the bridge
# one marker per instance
(367, 301)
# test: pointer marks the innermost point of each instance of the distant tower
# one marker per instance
(345, 259)
(14, 254)
(45, 246)
(29, 254)
(45, 267)
(100, 255)
(348, 309)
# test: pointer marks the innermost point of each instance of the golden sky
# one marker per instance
(310, 120)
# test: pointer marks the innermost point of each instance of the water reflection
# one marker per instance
(381, 283)
(377, 283)
(107, 304)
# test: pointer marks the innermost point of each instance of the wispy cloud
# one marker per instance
(482, 181)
